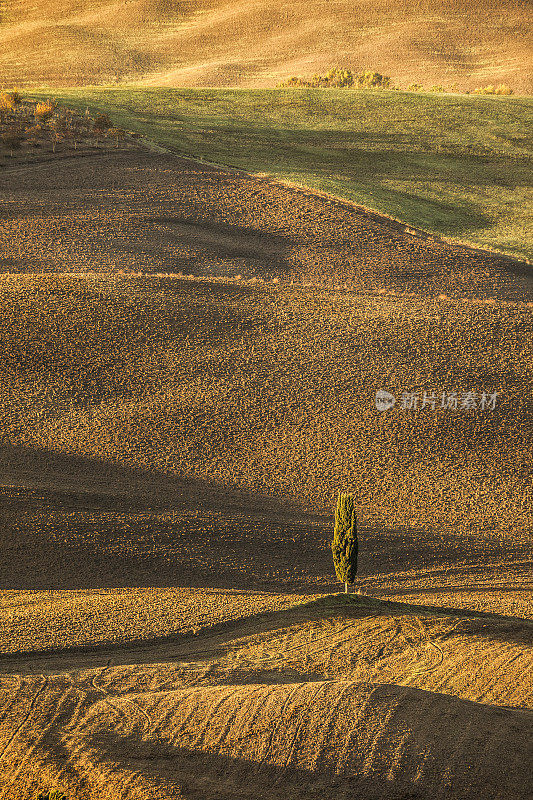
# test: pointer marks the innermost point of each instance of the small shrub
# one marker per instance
(117, 134)
(502, 88)
(415, 87)
(61, 125)
(368, 79)
(437, 89)
(340, 78)
(484, 89)
(31, 133)
(44, 111)
(10, 101)
(52, 794)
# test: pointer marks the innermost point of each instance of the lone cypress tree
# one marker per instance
(344, 545)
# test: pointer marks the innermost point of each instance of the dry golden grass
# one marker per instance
(344, 698)
(258, 44)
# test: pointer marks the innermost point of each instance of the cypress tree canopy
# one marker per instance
(344, 545)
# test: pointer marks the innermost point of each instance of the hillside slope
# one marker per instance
(348, 697)
(270, 390)
(114, 211)
(162, 433)
(253, 43)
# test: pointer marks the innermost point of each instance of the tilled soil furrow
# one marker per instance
(155, 212)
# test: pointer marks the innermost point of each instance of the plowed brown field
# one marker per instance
(147, 212)
(170, 452)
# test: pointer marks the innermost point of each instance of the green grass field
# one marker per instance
(455, 165)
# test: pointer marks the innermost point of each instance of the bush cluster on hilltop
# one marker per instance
(340, 78)
(502, 88)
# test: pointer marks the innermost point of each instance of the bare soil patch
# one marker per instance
(150, 212)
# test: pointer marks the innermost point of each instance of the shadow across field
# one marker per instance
(76, 523)
(290, 754)
(226, 241)
(157, 212)
(196, 774)
(360, 163)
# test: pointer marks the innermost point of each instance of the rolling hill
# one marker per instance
(340, 697)
(189, 359)
(253, 44)
(171, 448)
